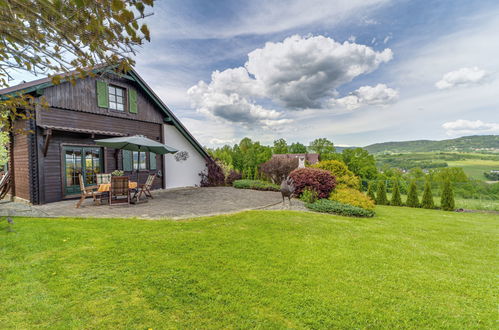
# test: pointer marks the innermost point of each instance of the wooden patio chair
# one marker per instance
(146, 187)
(87, 191)
(119, 188)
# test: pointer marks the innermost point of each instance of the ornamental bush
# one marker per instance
(278, 169)
(308, 195)
(319, 180)
(396, 200)
(232, 176)
(370, 191)
(447, 197)
(255, 185)
(412, 195)
(352, 197)
(427, 201)
(329, 206)
(213, 175)
(381, 198)
(344, 177)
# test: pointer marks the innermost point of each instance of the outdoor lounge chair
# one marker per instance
(87, 191)
(146, 187)
(119, 188)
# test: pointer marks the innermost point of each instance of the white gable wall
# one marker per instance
(183, 173)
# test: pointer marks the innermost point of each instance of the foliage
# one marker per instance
(232, 176)
(68, 37)
(396, 199)
(4, 155)
(280, 147)
(255, 185)
(412, 195)
(297, 148)
(322, 146)
(320, 180)
(213, 175)
(277, 168)
(427, 200)
(492, 176)
(370, 191)
(447, 197)
(344, 177)
(381, 198)
(242, 156)
(330, 206)
(117, 173)
(352, 197)
(360, 162)
(309, 195)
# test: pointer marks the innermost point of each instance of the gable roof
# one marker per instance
(170, 118)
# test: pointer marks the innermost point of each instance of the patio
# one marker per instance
(173, 204)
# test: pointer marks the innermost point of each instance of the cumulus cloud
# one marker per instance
(368, 95)
(297, 73)
(461, 77)
(468, 127)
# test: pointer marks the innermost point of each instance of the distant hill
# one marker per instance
(475, 143)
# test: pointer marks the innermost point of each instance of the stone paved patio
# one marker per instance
(173, 204)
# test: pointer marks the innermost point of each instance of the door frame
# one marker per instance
(82, 147)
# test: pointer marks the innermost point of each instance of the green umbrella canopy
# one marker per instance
(136, 143)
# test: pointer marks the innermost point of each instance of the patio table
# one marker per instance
(104, 187)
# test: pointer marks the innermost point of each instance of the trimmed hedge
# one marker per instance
(352, 197)
(329, 206)
(319, 180)
(255, 185)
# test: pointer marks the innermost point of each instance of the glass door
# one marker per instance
(86, 161)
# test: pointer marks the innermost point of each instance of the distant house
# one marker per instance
(302, 158)
(45, 164)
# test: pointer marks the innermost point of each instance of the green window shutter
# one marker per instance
(102, 94)
(132, 100)
(127, 161)
(152, 161)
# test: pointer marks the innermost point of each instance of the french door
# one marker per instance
(86, 161)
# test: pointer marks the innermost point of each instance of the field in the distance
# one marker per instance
(476, 167)
(404, 268)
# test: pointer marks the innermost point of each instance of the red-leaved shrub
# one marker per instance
(319, 180)
(277, 169)
(232, 176)
(213, 175)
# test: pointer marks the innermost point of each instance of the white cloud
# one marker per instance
(469, 127)
(216, 141)
(461, 77)
(368, 95)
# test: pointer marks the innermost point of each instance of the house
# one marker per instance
(46, 162)
(302, 158)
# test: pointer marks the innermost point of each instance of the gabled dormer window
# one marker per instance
(116, 98)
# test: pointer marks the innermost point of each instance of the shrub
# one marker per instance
(381, 193)
(232, 176)
(255, 185)
(309, 195)
(320, 180)
(412, 195)
(396, 200)
(370, 191)
(213, 175)
(278, 169)
(344, 177)
(447, 197)
(352, 197)
(427, 201)
(329, 206)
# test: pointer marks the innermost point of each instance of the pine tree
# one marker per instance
(447, 198)
(412, 196)
(256, 175)
(249, 173)
(396, 200)
(381, 193)
(427, 201)
(370, 191)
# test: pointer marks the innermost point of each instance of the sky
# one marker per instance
(354, 71)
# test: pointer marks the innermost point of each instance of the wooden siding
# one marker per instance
(83, 97)
(20, 161)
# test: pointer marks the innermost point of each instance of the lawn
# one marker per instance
(269, 269)
(475, 167)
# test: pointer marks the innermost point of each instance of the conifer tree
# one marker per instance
(243, 174)
(256, 174)
(396, 200)
(370, 191)
(249, 173)
(412, 196)
(447, 198)
(427, 201)
(381, 193)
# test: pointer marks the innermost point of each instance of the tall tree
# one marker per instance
(297, 148)
(447, 197)
(360, 162)
(381, 198)
(396, 200)
(427, 201)
(69, 37)
(322, 146)
(280, 146)
(412, 195)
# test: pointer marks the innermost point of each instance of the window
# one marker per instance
(139, 164)
(116, 98)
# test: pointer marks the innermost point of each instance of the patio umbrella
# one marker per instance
(136, 143)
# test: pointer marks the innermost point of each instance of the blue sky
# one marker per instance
(354, 71)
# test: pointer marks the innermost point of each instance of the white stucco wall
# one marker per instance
(183, 173)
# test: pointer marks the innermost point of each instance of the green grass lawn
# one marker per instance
(475, 167)
(269, 269)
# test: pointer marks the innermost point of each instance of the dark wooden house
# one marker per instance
(46, 162)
